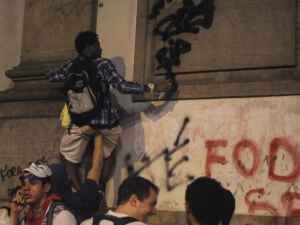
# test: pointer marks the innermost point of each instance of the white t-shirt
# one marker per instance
(64, 217)
(4, 217)
(108, 222)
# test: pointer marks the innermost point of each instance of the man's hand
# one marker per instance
(17, 205)
(163, 86)
(86, 129)
(151, 87)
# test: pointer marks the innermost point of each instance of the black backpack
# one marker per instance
(83, 91)
(116, 220)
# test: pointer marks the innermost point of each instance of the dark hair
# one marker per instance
(229, 207)
(136, 185)
(84, 39)
(209, 202)
(13, 191)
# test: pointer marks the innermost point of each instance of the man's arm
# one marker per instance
(106, 68)
(59, 74)
(17, 205)
(14, 213)
(87, 199)
(97, 162)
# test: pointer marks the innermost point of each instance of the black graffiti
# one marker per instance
(157, 7)
(169, 56)
(7, 171)
(171, 166)
(185, 122)
(41, 160)
(171, 181)
(189, 18)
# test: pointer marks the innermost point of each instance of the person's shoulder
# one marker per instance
(125, 216)
(87, 221)
(65, 217)
(71, 61)
(64, 212)
(60, 209)
(100, 61)
(137, 223)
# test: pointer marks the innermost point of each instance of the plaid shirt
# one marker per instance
(108, 115)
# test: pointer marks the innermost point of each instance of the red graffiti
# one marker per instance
(211, 156)
(240, 146)
(254, 197)
(275, 145)
(284, 144)
(259, 205)
(287, 200)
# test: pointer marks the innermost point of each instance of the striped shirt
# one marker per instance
(107, 116)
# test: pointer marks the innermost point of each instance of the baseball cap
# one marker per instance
(36, 171)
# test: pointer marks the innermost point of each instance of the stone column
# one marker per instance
(29, 113)
(48, 40)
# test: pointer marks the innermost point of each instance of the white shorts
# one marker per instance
(74, 143)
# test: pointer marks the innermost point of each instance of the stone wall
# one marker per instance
(30, 131)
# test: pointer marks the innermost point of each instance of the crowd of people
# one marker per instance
(41, 200)
(57, 194)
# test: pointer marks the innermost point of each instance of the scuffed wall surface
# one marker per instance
(11, 22)
(250, 145)
(233, 140)
(29, 131)
(116, 28)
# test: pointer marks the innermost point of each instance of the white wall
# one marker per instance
(243, 133)
(11, 21)
(228, 137)
(116, 28)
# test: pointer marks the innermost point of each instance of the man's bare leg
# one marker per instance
(73, 169)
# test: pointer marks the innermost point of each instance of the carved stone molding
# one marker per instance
(48, 40)
(251, 49)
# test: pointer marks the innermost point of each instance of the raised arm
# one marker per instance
(17, 205)
(97, 162)
(59, 74)
(106, 68)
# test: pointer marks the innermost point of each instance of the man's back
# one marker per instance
(125, 219)
(137, 199)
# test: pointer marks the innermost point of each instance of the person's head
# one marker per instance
(229, 207)
(138, 196)
(36, 183)
(87, 44)
(208, 203)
